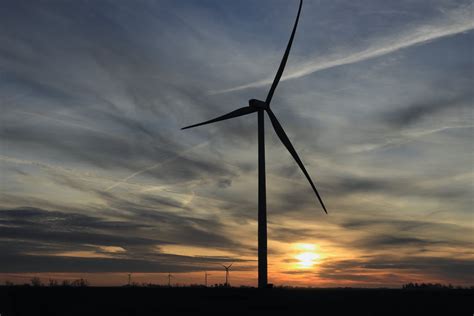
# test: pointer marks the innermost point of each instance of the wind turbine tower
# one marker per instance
(261, 107)
(227, 268)
(169, 279)
(205, 278)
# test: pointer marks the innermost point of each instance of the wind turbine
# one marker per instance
(227, 274)
(260, 107)
(169, 279)
(205, 278)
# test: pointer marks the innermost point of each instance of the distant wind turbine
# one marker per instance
(205, 278)
(260, 107)
(169, 279)
(227, 268)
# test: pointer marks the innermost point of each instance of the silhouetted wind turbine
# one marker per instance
(169, 279)
(227, 274)
(260, 107)
(205, 278)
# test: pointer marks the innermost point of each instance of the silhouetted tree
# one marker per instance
(36, 281)
(429, 286)
(80, 283)
(53, 282)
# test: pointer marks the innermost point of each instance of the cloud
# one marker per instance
(413, 113)
(57, 227)
(455, 22)
(90, 134)
(124, 180)
(46, 240)
(19, 263)
(405, 137)
(400, 270)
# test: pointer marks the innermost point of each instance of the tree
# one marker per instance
(36, 281)
(66, 283)
(53, 282)
(80, 283)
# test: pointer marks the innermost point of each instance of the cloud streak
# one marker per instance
(159, 164)
(458, 22)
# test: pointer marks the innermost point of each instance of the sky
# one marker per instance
(98, 180)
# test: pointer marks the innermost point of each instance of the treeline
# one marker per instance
(36, 282)
(220, 285)
(434, 286)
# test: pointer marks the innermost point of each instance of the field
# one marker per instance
(30, 301)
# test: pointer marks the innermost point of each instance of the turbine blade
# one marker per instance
(286, 141)
(285, 58)
(231, 264)
(239, 112)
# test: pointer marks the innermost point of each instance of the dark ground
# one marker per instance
(118, 301)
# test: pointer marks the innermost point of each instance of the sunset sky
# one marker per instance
(98, 180)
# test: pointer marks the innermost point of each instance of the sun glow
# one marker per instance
(307, 257)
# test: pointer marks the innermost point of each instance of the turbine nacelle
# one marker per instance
(254, 103)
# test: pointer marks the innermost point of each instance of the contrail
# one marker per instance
(459, 21)
(35, 163)
(71, 173)
(440, 129)
(69, 123)
(124, 180)
(404, 138)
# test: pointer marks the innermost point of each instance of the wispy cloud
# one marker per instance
(404, 138)
(456, 22)
(92, 155)
(161, 163)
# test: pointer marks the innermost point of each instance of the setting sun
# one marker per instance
(308, 257)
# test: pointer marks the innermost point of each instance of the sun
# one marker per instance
(307, 257)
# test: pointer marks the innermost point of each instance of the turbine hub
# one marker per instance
(254, 103)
